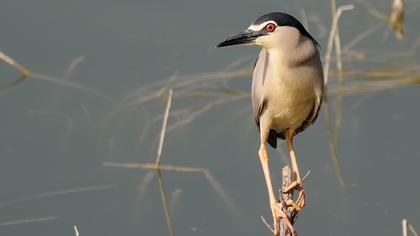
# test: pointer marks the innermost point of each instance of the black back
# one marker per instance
(284, 19)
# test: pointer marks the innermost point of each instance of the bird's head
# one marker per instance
(275, 29)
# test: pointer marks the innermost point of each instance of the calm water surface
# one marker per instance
(54, 138)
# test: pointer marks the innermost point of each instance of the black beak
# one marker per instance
(245, 37)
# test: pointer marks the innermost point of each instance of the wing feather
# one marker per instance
(258, 77)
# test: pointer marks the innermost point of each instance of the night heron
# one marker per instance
(287, 87)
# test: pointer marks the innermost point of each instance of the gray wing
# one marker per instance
(258, 77)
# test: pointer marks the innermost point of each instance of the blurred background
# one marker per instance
(93, 105)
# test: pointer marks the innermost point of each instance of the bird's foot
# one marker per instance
(300, 203)
(295, 185)
(293, 205)
(285, 220)
(276, 216)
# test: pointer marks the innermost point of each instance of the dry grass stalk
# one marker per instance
(214, 184)
(165, 204)
(162, 132)
(331, 37)
(374, 86)
(334, 38)
(57, 193)
(405, 226)
(8, 60)
(156, 166)
(30, 220)
(23, 71)
(76, 231)
(158, 157)
(397, 18)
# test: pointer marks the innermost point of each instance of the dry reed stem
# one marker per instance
(158, 167)
(376, 86)
(333, 31)
(154, 166)
(183, 85)
(214, 184)
(158, 157)
(71, 84)
(162, 132)
(8, 60)
(339, 65)
(76, 231)
(405, 226)
(333, 148)
(23, 71)
(337, 42)
(165, 204)
(397, 18)
(147, 179)
(30, 220)
(72, 67)
(334, 136)
(57, 193)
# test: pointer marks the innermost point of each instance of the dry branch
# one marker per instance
(8, 60)
(30, 220)
(405, 226)
(76, 231)
(23, 71)
(397, 18)
(214, 183)
(164, 123)
(286, 225)
(57, 193)
(331, 37)
(287, 209)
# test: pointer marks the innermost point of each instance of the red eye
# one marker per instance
(270, 27)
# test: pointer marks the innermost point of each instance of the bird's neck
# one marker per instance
(293, 54)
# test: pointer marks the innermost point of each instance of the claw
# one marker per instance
(293, 205)
(276, 216)
(301, 199)
(300, 202)
(287, 223)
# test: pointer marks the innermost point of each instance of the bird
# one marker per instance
(287, 88)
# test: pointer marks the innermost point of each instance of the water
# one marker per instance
(54, 138)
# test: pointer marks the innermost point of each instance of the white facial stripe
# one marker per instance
(260, 26)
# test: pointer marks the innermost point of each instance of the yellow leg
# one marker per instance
(264, 163)
(295, 168)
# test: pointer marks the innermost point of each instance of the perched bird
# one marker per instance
(287, 87)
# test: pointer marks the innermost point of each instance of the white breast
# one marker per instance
(290, 92)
